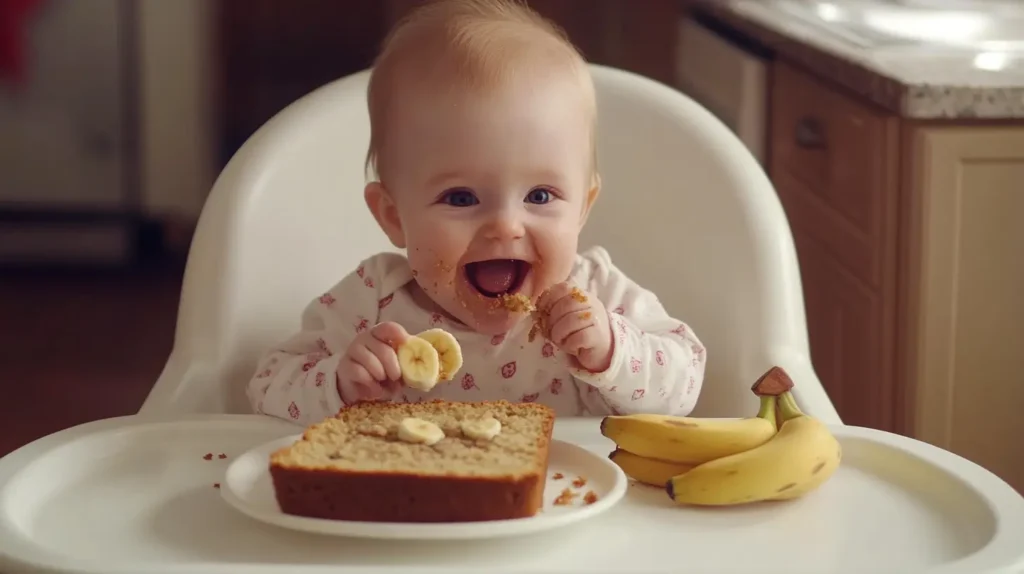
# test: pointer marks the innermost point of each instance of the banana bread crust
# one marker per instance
(395, 497)
(406, 496)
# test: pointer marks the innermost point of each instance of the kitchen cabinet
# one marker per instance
(912, 262)
(965, 292)
(833, 162)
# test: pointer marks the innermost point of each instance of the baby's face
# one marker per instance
(492, 192)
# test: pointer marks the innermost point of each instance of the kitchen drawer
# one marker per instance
(834, 162)
(859, 253)
(835, 146)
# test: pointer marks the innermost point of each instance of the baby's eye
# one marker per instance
(459, 198)
(538, 195)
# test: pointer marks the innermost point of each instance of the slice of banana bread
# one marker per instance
(360, 465)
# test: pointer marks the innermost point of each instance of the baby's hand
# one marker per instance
(369, 371)
(578, 324)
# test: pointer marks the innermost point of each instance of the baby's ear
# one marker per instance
(588, 202)
(384, 210)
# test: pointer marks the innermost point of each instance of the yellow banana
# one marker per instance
(690, 440)
(647, 470)
(797, 460)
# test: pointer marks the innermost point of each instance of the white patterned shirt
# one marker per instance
(657, 363)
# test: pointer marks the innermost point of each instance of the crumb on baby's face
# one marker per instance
(490, 191)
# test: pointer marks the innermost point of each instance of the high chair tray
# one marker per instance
(136, 495)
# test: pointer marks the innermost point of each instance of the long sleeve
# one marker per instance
(657, 361)
(297, 380)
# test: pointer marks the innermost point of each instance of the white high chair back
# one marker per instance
(685, 210)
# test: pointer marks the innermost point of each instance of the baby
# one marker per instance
(482, 142)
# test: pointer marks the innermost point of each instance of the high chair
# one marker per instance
(685, 211)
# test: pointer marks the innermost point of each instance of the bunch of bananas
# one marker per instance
(780, 454)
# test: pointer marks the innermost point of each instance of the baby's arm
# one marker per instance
(297, 380)
(657, 363)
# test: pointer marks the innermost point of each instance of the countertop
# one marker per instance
(932, 84)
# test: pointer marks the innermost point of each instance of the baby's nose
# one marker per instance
(504, 226)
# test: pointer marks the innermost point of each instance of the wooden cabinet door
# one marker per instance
(834, 164)
(966, 294)
(849, 332)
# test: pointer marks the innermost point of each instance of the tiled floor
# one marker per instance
(77, 346)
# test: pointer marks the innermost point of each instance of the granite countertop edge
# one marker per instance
(912, 100)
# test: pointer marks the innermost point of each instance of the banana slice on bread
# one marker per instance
(428, 358)
(419, 431)
(481, 429)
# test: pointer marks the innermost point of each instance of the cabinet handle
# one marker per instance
(810, 134)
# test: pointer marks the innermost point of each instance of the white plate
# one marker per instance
(133, 496)
(248, 487)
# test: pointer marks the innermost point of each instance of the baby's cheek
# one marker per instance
(427, 247)
(427, 274)
(557, 257)
(436, 245)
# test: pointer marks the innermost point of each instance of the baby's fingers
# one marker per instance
(570, 332)
(362, 356)
(387, 357)
(568, 308)
(356, 383)
(551, 296)
(579, 341)
(390, 333)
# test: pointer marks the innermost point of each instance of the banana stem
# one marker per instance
(767, 410)
(788, 406)
(774, 382)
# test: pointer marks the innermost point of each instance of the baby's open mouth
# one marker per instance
(497, 277)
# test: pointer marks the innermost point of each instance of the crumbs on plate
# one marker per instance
(565, 498)
(568, 495)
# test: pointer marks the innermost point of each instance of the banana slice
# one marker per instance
(448, 350)
(481, 429)
(420, 363)
(419, 431)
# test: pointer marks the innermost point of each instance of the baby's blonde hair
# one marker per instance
(479, 45)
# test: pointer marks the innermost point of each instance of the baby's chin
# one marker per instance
(500, 322)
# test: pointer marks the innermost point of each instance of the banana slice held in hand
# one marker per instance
(428, 358)
(448, 350)
(419, 362)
